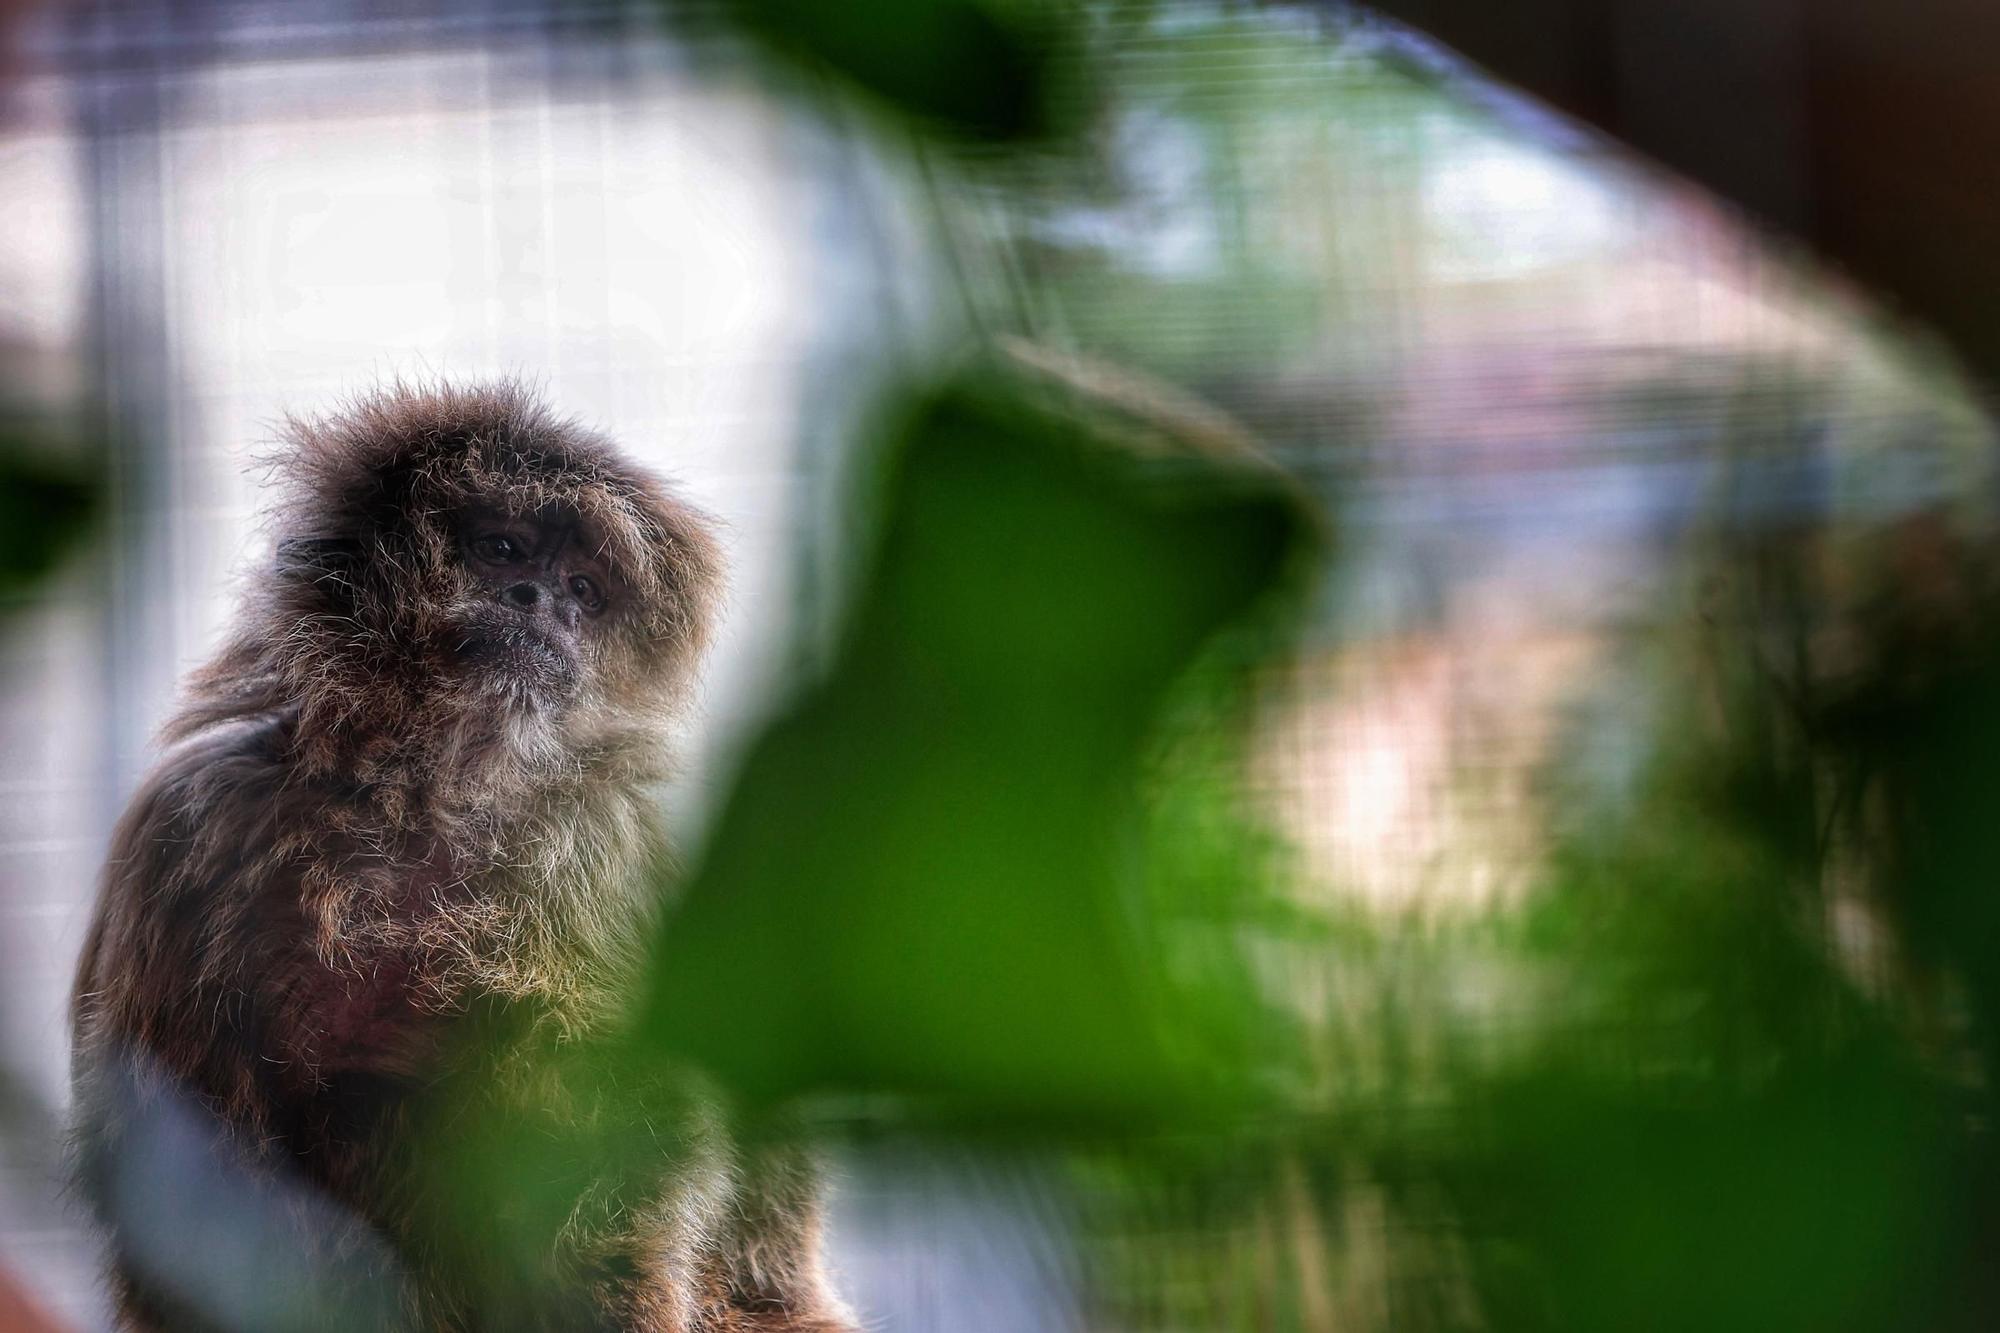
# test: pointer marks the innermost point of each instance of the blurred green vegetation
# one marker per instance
(48, 499)
(991, 72)
(962, 791)
(1723, 1068)
(1725, 1064)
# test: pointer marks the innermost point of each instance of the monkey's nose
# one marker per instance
(525, 595)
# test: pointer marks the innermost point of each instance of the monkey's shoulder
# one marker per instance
(209, 811)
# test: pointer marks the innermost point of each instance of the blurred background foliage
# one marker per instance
(1644, 972)
(1720, 1063)
(48, 496)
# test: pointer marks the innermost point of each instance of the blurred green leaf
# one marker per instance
(46, 504)
(1816, 1200)
(924, 880)
(983, 70)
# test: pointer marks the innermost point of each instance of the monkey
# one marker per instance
(390, 879)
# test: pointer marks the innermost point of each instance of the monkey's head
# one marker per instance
(458, 562)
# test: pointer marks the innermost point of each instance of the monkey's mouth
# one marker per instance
(517, 655)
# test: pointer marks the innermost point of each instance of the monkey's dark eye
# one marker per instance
(497, 548)
(586, 592)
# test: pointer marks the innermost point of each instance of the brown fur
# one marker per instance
(357, 852)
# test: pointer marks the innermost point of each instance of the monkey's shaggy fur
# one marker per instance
(356, 851)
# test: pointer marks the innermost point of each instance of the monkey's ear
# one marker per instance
(315, 559)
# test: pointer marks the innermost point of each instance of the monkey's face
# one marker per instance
(457, 573)
(541, 597)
